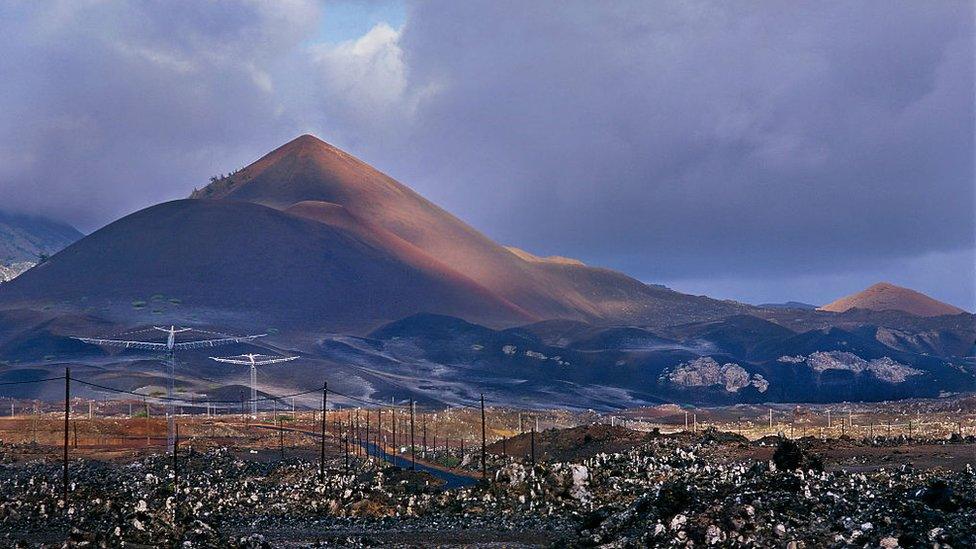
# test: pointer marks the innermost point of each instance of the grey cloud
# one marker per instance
(113, 106)
(677, 141)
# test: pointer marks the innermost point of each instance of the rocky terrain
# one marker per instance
(648, 490)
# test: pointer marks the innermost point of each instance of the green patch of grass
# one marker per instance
(285, 418)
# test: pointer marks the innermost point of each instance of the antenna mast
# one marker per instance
(170, 347)
(253, 361)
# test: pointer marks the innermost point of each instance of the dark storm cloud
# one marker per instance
(749, 144)
(109, 107)
(662, 138)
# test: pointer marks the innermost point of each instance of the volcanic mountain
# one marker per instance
(310, 236)
(888, 297)
(204, 257)
(312, 178)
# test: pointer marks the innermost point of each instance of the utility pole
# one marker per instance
(325, 400)
(379, 433)
(367, 432)
(346, 439)
(770, 418)
(67, 414)
(425, 436)
(359, 436)
(281, 439)
(413, 449)
(532, 447)
(484, 454)
(146, 404)
(176, 470)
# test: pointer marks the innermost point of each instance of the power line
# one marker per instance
(31, 381)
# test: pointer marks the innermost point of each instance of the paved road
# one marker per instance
(451, 480)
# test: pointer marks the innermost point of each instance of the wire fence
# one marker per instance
(456, 439)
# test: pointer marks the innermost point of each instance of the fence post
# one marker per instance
(67, 414)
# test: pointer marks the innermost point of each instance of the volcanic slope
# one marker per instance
(308, 170)
(209, 260)
(888, 297)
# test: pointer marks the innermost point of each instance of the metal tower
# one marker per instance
(170, 347)
(253, 360)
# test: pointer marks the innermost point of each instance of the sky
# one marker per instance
(758, 151)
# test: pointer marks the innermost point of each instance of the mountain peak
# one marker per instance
(885, 296)
(305, 168)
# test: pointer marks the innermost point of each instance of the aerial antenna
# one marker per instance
(170, 347)
(253, 361)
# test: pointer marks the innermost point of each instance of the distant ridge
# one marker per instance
(788, 305)
(885, 296)
(24, 240)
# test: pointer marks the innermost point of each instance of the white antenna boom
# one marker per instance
(253, 361)
(171, 346)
